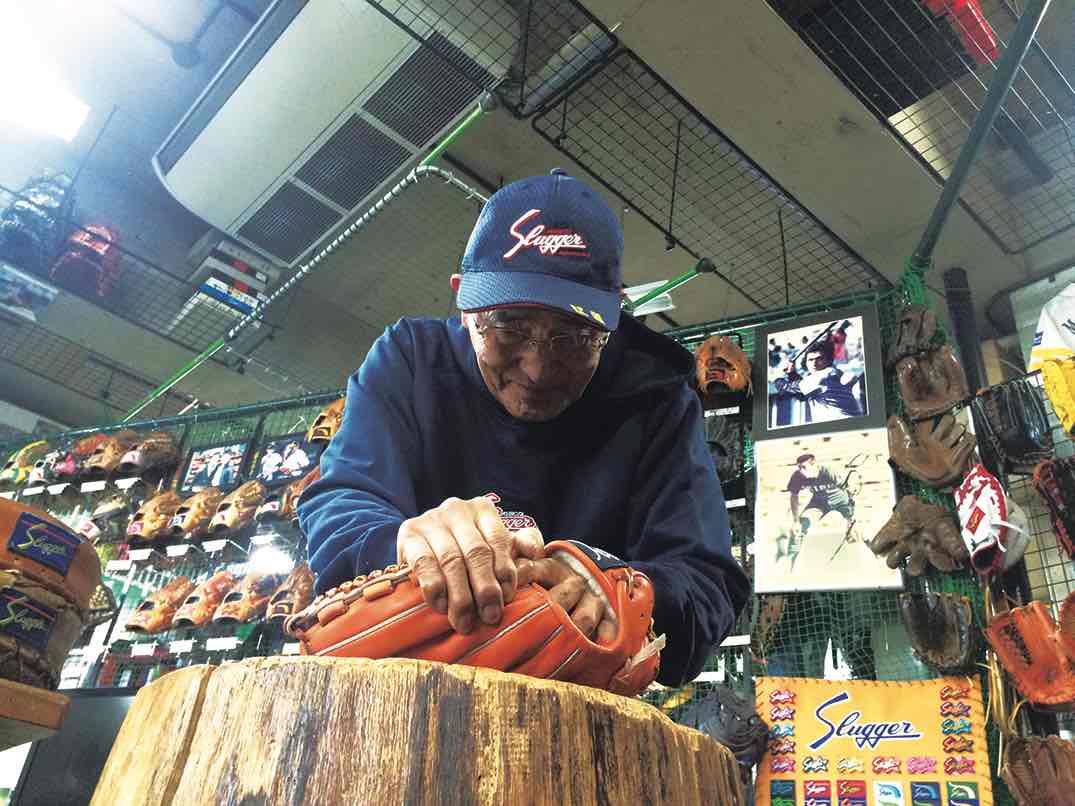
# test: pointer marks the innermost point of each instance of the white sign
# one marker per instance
(9, 496)
(142, 650)
(735, 503)
(261, 540)
(126, 484)
(94, 486)
(179, 550)
(228, 642)
(291, 648)
(209, 546)
(139, 555)
(56, 489)
(118, 565)
(179, 647)
(26, 493)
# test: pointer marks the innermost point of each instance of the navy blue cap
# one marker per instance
(545, 240)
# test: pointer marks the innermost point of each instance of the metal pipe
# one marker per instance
(165, 387)
(1007, 67)
(702, 266)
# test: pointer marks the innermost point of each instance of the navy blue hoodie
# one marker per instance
(625, 468)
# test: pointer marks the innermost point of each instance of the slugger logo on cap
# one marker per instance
(546, 241)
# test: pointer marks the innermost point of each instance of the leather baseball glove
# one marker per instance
(1030, 647)
(44, 550)
(725, 437)
(249, 599)
(237, 508)
(994, 528)
(155, 613)
(931, 383)
(38, 627)
(1054, 479)
(733, 722)
(192, 518)
(1059, 380)
(153, 520)
(18, 466)
(941, 629)
(109, 453)
(203, 601)
(923, 534)
(280, 503)
(384, 615)
(156, 450)
(1040, 772)
(935, 454)
(1013, 417)
(293, 596)
(914, 333)
(327, 423)
(721, 366)
(70, 466)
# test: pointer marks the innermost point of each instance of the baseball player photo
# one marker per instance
(821, 499)
(817, 374)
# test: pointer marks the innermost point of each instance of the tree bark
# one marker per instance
(354, 731)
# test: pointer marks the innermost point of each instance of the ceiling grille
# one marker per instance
(289, 222)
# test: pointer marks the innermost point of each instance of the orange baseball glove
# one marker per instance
(384, 615)
(721, 365)
(1037, 652)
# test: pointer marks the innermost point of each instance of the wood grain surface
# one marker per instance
(339, 730)
(28, 713)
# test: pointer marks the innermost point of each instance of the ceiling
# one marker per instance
(740, 65)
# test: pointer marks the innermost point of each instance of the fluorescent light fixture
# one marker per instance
(31, 94)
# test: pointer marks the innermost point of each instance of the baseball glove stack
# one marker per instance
(383, 614)
(1014, 420)
(49, 576)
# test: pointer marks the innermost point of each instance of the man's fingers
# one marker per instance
(528, 542)
(588, 613)
(479, 559)
(499, 539)
(568, 593)
(549, 573)
(417, 553)
(525, 570)
(606, 631)
(453, 565)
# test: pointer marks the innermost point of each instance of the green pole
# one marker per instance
(163, 389)
(701, 267)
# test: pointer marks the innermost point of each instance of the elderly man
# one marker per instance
(540, 409)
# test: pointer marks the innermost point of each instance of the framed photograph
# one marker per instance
(214, 466)
(819, 374)
(23, 295)
(820, 499)
(286, 458)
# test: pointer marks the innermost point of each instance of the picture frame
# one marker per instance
(819, 374)
(286, 458)
(218, 465)
(820, 498)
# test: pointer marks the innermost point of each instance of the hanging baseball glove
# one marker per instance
(1059, 380)
(237, 509)
(941, 629)
(733, 722)
(994, 528)
(721, 366)
(18, 466)
(1054, 479)
(1040, 772)
(157, 450)
(155, 613)
(914, 333)
(922, 534)
(1027, 645)
(108, 454)
(385, 615)
(937, 454)
(725, 436)
(931, 383)
(326, 425)
(1013, 417)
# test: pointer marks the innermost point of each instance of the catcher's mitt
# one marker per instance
(733, 722)
(153, 520)
(1028, 646)
(237, 509)
(935, 454)
(155, 613)
(384, 615)
(921, 533)
(941, 629)
(326, 425)
(1040, 772)
(156, 450)
(37, 630)
(721, 366)
(1013, 418)
(914, 333)
(994, 528)
(1059, 380)
(931, 383)
(46, 551)
(1054, 480)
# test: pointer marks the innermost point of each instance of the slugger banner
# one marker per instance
(873, 743)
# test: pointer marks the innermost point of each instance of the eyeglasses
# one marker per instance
(577, 346)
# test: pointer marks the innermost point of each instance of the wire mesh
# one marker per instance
(925, 76)
(632, 131)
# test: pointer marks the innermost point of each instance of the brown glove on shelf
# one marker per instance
(931, 383)
(937, 454)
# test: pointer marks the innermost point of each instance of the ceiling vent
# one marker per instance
(320, 106)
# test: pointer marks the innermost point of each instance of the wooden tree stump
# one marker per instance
(351, 731)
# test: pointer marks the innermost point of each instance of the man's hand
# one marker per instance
(570, 590)
(466, 559)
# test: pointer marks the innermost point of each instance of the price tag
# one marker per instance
(209, 546)
(139, 555)
(735, 503)
(722, 412)
(93, 486)
(179, 550)
(126, 484)
(179, 647)
(118, 565)
(142, 650)
(9, 495)
(56, 489)
(28, 491)
(291, 648)
(227, 642)
(262, 540)
(736, 640)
